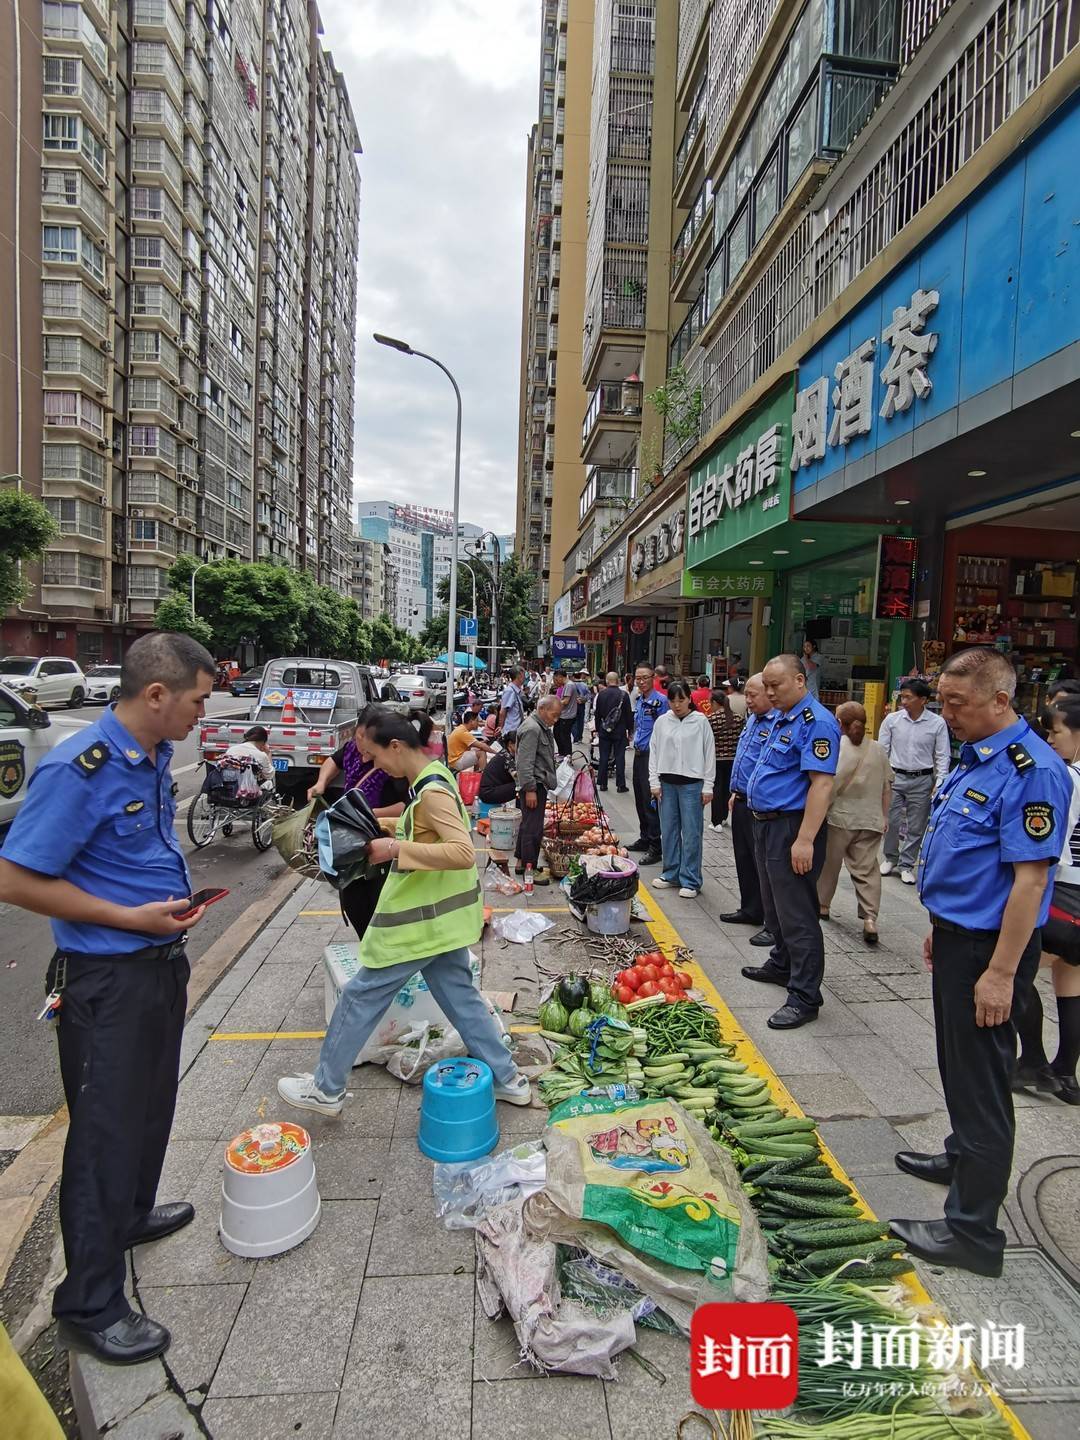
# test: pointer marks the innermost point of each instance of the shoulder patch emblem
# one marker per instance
(822, 748)
(977, 796)
(1019, 757)
(134, 806)
(1038, 819)
(92, 758)
(808, 714)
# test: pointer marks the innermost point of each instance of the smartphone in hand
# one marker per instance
(201, 897)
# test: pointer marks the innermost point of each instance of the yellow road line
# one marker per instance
(669, 940)
(268, 1035)
(305, 913)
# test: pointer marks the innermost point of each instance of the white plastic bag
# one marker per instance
(521, 926)
(464, 1192)
(247, 786)
(564, 781)
(499, 881)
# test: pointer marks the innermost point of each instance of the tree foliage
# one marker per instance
(174, 613)
(517, 613)
(391, 642)
(26, 527)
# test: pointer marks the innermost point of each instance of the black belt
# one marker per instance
(171, 951)
(911, 774)
(773, 814)
(954, 929)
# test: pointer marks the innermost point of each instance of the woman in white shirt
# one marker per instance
(1061, 939)
(682, 770)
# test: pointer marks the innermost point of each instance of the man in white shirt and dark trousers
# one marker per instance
(917, 744)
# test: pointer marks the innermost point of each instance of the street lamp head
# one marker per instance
(393, 344)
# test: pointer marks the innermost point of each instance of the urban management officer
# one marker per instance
(788, 792)
(754, 734)
(93, 847)
(984, 873)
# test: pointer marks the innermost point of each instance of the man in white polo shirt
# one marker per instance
(917, 744)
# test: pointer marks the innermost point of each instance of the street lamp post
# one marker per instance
(451, 639)
(493, 575)
(194, 572)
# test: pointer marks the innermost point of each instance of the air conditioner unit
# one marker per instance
(106, 345)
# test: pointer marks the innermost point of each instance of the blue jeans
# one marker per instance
(682, 822)
(368, 996)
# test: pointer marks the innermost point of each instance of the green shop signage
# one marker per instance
(726, 584)
(743, 488)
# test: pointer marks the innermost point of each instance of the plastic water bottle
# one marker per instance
(528, 879)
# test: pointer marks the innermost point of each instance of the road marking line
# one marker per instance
(267, 1035)
(668, 939)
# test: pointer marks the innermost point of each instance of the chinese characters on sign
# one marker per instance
(726, 583)
(755, 472)
(744, 1357)
(656, 547)
(904, 376)
(896, 578)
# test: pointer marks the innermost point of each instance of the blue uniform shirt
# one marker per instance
(1006, 801)
(99, 813)
(649, 709)
(802, 740)
(754, 734)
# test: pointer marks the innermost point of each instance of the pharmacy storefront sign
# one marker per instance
(727, 584)
(743, 488)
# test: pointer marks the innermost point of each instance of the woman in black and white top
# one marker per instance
(1061, 937)
(682, 770)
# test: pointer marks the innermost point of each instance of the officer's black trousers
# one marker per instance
(790, 904)
(647, 813)
(119, 1038)
(742, 840)
(976, 1066)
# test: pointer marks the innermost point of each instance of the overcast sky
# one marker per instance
(444, 93)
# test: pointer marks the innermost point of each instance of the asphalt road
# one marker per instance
(29, 1073)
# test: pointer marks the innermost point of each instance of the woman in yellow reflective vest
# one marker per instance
(429, 912)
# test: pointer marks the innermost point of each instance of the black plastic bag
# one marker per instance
(344, 833)
(606, 885)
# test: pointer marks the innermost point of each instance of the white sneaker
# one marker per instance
(661, 884)
(687, 894)
(301, 1091)
(887, 867)
(717, 828)
(518, 1092)
(908, 877)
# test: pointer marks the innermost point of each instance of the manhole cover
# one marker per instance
(1049, 1196)
(1031, 1292)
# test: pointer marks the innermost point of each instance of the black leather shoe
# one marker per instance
(652, 857)
(622, 790)
(1039, 1076)
(766, 974)
(639, 847)
(788, 1017)
(162, 1221)
(1070, 1090)
(763, 938)
(739, 917)
(938, 1168)
(130, 1341)
(934, 1241)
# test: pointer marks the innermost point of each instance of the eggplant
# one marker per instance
(573, 991)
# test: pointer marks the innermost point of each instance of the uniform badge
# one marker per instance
(785, 739)
(1019, 756)
(132, 754)
(822, 748)
(92, 758)
(134, 806)
(986, 749)
(977, 796)
(12, 768)
(1039, 820)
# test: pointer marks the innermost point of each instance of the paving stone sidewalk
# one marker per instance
(371, 1328)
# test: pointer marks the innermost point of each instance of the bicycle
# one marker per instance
(218, 805)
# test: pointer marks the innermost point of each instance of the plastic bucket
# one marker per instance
(269, 1199)
(457, 1111)
(504, 827)
(610, 917)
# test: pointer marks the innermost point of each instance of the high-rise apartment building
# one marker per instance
(192, 301)
(372, 569)
(604, 279)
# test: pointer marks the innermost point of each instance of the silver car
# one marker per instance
(103, 684)
(416, 690)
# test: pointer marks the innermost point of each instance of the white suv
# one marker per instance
(45, 680)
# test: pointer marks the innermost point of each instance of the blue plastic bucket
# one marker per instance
(457, 1111)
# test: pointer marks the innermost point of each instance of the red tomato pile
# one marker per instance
(650, 974)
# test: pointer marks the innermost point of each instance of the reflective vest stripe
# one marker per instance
(426, 912)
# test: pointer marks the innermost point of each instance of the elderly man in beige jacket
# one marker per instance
(857, 818)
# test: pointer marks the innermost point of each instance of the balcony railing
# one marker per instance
(694, 127)
(695, 221)
(606, 486)
(620, 398)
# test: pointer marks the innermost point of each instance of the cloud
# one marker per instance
(444, 93)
